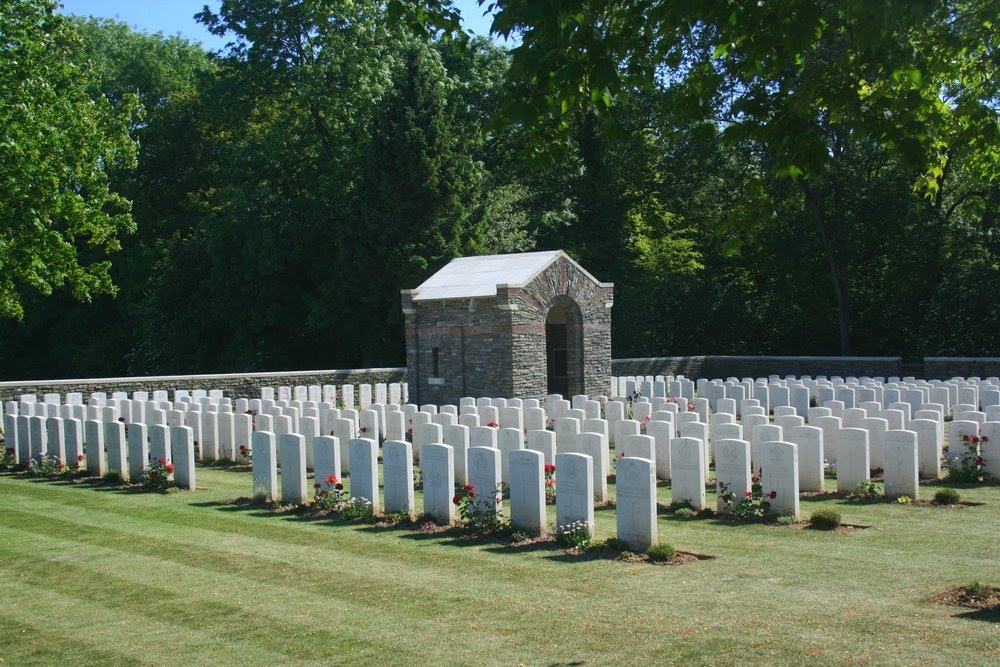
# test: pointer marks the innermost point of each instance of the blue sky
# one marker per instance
(176, 16)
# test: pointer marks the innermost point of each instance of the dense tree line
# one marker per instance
(286, 188)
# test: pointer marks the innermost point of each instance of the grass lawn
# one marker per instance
(96, 575)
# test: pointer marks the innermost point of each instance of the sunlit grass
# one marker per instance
(93, 575)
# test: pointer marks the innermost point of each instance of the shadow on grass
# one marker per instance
(988, 615)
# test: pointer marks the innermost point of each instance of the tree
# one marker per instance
(59, 217)
(810, 81)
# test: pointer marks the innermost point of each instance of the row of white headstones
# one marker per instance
(482, 442)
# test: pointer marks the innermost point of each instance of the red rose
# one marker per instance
(965, 438)
(455, 500)
(975, 439)
(79, 457)
(339, 487)
(331, 480)
(470, 488)
(979, 460)
(772, 495)
(748, 494)
(169, 467)
(363, 429)
(317, 485)
(983, 438)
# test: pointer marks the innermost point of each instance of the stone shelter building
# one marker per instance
(520, 325)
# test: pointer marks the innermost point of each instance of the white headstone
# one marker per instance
(292, 452)
(116, 448)
(397, 476)
(265, 466)
(182, 453)
(929, 449)
(636, 502)
(732, 470)
(527, 491)
(809, 440)
(780, 476)
(853, 463)
(596, 447)
(326, 458)
(485, 476)
(902, 469)
(94, 438)
(364, 471)
(438, 465)
(544, 442)
(574, 489)
(687, 472)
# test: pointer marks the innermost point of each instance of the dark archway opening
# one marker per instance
(564, 348)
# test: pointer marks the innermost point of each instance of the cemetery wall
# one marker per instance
(234, 384)
(720, 366)
(945, 368)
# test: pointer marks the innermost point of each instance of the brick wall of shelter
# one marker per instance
(561, 279)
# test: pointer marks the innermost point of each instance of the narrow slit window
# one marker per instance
(437, 361)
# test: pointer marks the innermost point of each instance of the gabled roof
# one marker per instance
(466, 277)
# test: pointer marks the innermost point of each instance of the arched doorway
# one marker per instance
(564, 348)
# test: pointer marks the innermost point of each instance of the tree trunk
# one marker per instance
(835, 248)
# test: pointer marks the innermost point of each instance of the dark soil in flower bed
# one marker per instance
(972, 597)
(839, 530)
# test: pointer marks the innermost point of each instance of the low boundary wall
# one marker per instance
(945, 368)
(233, 384)
(694, 367)
(721, 367)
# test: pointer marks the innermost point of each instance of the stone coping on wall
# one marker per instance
(233, 384)
(945, 368)
(723, 366)
(694, 367)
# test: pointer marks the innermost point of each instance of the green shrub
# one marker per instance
(685, 512)
(785, 520)
(661, 552)
(113, 477)
(946, 496)
(825, 519)
(866, 490)
(615, 544)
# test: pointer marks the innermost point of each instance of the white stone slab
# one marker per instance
(636, 503)
(292, 455)
(364, 471)
(265, 466)
(182, 455)
(687, 472)
(902, 468)
(438, 465)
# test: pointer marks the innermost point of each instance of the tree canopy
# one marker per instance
(59, 217)
(756, 178)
